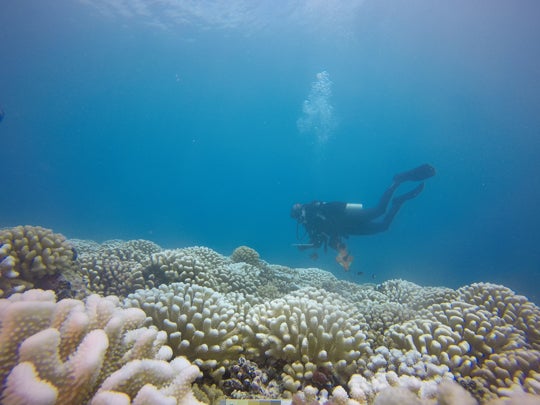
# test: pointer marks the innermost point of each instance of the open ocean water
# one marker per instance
(201, 123)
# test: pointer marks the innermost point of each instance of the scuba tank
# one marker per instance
(353, 207)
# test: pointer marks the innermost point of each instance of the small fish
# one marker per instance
(373, 276)
(359, 273)
(314, 256)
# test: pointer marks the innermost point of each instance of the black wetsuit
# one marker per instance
(326, 223)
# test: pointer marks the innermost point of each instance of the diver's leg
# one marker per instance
(373, 227)
(419, 173)
(381, 207)
(397, 202)
(358, 217)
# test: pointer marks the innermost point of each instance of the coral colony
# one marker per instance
(132, 323)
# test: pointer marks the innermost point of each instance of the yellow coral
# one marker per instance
(29, 254)
(245, 254)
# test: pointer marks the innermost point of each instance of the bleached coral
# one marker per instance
(483, 336)
(503, 303)
(194, 265)
(415, 296)
(301, 326)
(67, 349)
(307, 329)
(201, 324)
(388, 388)
(150, 382)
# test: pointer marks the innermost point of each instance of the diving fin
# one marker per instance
(419, 173)
(408, 195)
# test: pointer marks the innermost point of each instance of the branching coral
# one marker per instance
(178, 265)
(112, 276)
(31, 255)
(68, 350)
(115, 266)
(307, 329)
(483, 336)
(245, 254)
(201, 324)
(304, 327)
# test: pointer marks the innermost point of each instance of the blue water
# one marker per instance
(186, 123)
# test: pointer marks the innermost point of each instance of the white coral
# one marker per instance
(201, 323)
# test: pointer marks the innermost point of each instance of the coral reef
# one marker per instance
(71, 351)
(255, 330)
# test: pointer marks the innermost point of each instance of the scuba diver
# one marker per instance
(328, 223)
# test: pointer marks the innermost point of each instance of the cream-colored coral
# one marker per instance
(240, 277)
(150, 382)
(485, 337)
(24, 386)
(115, 267)
(28, 254)
(298, 321)
(307, 329)
(389, 388)
(415, 296)
(245, 254)
(67, 349)
(82, 246)
(178, 265)
(208, 257)
(201, 324)
(503, 303)
(136, 250)
(307, 277)
(203, 267)
(405, 363)
(112, 276)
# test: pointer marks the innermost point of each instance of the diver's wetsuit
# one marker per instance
(326, 223)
